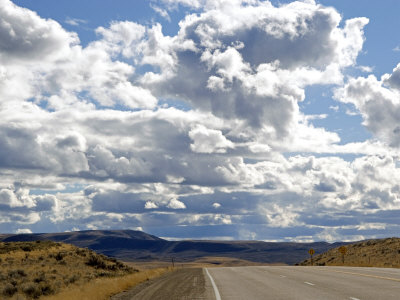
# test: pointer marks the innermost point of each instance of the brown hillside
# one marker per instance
(371, 253)
(29, 270)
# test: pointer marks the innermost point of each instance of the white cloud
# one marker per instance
(176, 204)
(393, 79)
(377, 101)
(75, 21)
(70, 155)
(150, 205)
(23, 230)
(222, 70)
(334, 107)
(173, 4)
(45, 40)
(162, 12)
(366, 69)
(208, 140)
(216, 205)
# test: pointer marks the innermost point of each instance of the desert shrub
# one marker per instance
(9, 290)
(16, 273)
(32, 290)
(40, 277)
(46, 289)
(120, 264)
(59, 256)
(80, 252)
(26, 248)
(72, 279)
(112, 267)
(96, 261)
(104, 274)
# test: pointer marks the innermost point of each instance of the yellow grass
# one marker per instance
(104, 288)
(383, 253)
(49, 270)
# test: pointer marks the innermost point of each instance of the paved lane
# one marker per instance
(306, 283)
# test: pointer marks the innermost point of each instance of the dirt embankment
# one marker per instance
(371, 253)
(188, 283)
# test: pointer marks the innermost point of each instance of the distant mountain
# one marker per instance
(130, 245)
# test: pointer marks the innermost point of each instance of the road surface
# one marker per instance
(275, 282)
(306, 283)
(181, 284)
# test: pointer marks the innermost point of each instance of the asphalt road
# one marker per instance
(322, 283)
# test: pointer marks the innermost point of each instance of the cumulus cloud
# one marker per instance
(45, 40)
(176, 204)
(85, 139)
(150, 205)
(377, 101)
(234, 78)
(393, 79)
(216, 205)
(208, 140)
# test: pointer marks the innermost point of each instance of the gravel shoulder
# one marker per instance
(182, 284)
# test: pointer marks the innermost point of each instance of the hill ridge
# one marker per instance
(367, 253)
(132, 245)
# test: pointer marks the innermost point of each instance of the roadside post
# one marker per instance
(173, 263)
(343, 251)
(311, 252)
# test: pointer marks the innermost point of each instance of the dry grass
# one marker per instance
(31, 270)
(373, 253)
(100, 289)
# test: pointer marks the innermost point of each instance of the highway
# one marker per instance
(284, 282)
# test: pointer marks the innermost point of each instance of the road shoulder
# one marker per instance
(187, 283)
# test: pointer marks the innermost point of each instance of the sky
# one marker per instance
(201, 119)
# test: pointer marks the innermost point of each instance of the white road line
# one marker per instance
(282, 276)
(367, 275)
(309, 283)
(217, 295)
(352, 298)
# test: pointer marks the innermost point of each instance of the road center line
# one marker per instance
(216, 292)
(309, 283)
(367, 275)
(282, 276)
(352, 298)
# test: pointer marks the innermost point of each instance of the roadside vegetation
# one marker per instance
(371, 253)
(50, 270)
